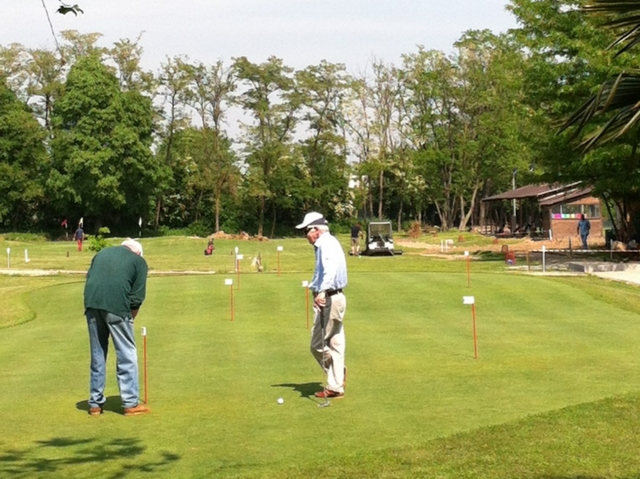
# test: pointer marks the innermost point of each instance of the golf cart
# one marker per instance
(380, 239)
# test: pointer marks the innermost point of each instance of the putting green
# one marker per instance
(214, 383)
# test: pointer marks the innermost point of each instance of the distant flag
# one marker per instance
(140, 222)
(64, 223)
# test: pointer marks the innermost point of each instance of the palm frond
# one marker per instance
(620, 95)
(624, 14)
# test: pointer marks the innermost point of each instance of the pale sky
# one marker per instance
(300, 32)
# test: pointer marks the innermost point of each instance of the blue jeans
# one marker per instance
(103, 324)
(584, 241)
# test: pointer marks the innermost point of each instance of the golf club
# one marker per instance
(324, 313)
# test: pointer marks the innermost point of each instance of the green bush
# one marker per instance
(98, 242)
(200, 228)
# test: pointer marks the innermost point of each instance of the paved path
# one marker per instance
(631, 277)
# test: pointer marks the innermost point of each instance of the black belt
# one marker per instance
(331, 292)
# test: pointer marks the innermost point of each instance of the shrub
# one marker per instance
(98, 242)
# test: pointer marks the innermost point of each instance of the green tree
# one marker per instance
(45, 72)
(23, 162)
(569, 62)
(267, 93)
(209, 93)
(173, 80)
(103, 168)
(325, 176)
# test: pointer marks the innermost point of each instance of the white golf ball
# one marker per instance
(280, 400)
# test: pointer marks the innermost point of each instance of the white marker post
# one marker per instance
(140, 227)
(238, 258)
(26, 256)
(468, 258)
(8, 258)
(279, 249)
(144, 364)
(544, 259)
(472, 301)
(305, 285)
(229, 282)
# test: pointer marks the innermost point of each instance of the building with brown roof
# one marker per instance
(552, 211)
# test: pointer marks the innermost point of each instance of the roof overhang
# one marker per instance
(545, 194)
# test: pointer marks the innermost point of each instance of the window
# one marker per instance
(573, 211)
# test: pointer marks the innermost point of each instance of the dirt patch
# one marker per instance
(520, 245)
(243, 236)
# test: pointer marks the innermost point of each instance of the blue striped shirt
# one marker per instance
(331, 266)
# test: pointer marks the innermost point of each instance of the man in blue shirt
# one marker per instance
(584, 226)
(328, 342)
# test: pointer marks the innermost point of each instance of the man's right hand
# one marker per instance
(320, 300)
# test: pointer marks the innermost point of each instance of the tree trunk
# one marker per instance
(273, 224)
(380, 194)
(261, 219)
(156, 221)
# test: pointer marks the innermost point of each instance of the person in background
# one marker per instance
(329, 304)
(584, 226)
(356, 233)
(113, 293)
(79, 236)
(210, 247)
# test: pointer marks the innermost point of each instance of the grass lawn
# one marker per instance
(553, 393)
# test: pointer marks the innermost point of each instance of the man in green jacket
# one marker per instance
(114, 291)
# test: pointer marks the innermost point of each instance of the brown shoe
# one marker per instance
(328, 393)
(136, 411)
(95, 411)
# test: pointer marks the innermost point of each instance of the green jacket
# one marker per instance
(116, 281)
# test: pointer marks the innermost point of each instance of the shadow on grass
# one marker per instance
(114, 458)
(112, 404)
(306, 390)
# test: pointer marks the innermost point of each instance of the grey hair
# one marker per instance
(322, 227)
(133, 245)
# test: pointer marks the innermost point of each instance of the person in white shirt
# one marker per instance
(328, 340)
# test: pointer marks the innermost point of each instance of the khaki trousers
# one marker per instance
(331, 357)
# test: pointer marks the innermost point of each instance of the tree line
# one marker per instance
(86, 132)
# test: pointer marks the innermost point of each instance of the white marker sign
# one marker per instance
(305, 284)
(468, 300)
(228, 282)
(280, 248)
